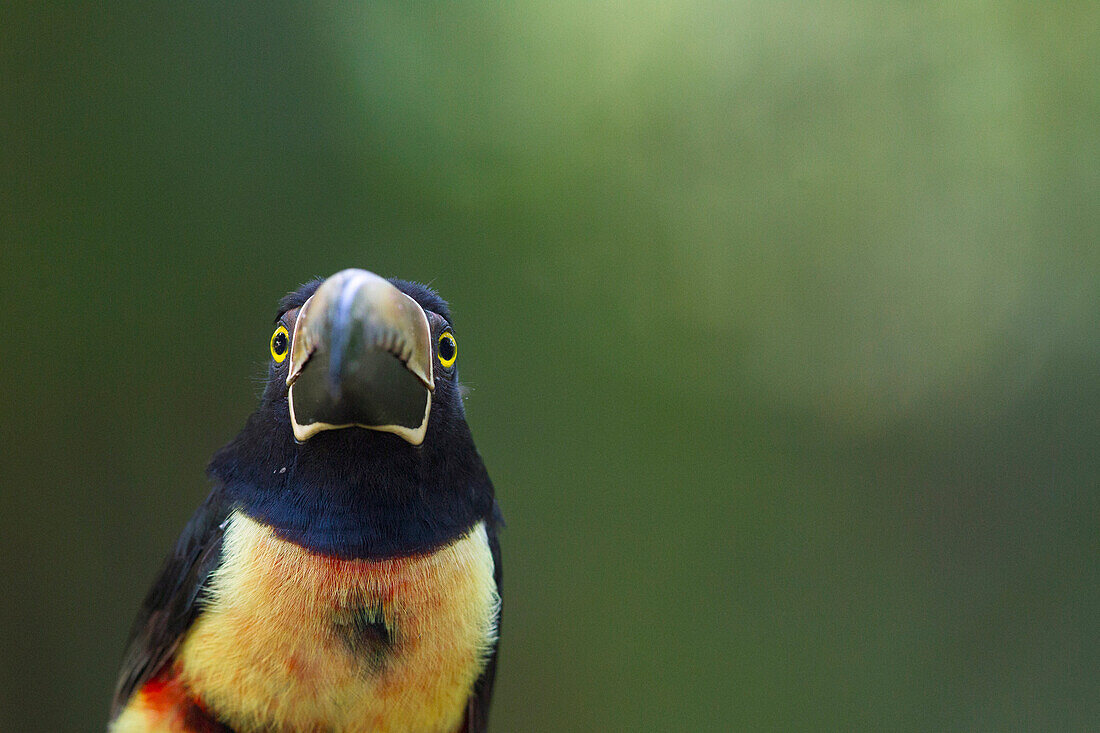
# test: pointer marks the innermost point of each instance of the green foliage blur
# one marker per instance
(780, 322)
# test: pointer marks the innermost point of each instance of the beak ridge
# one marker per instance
(368, 347)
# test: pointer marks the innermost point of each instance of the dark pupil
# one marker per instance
(446, 349)
(279, 345)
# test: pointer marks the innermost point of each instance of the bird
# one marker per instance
(344, 572)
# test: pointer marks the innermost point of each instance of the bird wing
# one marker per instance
(477, 708)
(170, 606)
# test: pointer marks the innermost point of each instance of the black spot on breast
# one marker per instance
(364, 632)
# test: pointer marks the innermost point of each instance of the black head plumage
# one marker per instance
(356, 492)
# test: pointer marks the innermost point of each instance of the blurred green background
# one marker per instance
(782, 324)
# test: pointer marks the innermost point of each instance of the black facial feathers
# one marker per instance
(356, 492)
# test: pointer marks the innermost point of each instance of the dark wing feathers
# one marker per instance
(170, 607)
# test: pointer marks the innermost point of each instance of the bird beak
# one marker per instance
(361, 356)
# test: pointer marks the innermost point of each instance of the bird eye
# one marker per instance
(448, 349)
(280, 344)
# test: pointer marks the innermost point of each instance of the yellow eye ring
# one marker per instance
(448, 349)
(280, 344)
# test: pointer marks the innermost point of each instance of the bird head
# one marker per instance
(359, 351)
(359, 446)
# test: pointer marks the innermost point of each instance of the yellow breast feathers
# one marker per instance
(291, 640)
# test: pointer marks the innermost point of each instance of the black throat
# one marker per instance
(357, 493)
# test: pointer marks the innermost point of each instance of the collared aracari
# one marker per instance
(344, 572)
